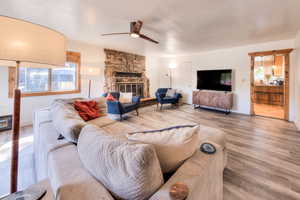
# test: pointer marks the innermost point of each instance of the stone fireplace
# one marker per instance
(125, 72)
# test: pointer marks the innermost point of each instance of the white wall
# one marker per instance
(152, 72)
(297, 81)
(91, 56)
(185, 77)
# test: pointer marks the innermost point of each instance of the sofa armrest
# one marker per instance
(40, 116)
(136, 99)
(202, 173)
(177, 95)
(159, 96)
(114, 107)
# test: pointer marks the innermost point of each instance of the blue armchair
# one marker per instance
(118, 108)
(163, 99)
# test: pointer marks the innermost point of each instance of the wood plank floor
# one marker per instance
(267, 110)
(26, 170)
(264, 153)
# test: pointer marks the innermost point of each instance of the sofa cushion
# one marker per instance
(168, 98)
(171, 92)
(66, 120)
(101, 121)
(173, 145)
(70, 180)
(125, 97)
(129, 170)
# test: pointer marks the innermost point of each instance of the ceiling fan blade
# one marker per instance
(115, 34)
(147, 38)
(135, 27)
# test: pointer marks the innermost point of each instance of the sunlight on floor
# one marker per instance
(6, 148)
(26, 173)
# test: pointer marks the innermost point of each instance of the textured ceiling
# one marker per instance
(181, 26)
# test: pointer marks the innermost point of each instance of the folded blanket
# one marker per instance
(87, 110)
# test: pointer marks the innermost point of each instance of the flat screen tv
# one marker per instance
(220, 80)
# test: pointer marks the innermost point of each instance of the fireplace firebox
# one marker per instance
(137, 89)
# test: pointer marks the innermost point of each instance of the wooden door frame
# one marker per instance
(286, 54)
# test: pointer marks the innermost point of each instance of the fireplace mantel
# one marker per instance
(128, 74)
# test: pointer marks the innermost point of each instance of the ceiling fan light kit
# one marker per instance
(135, 28)
(134, 35)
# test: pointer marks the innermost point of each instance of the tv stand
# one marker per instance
(213, 100)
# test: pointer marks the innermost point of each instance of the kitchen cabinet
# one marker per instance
(269, 94)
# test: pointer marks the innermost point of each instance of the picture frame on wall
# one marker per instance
(5, 123)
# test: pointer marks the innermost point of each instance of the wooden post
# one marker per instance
(286, 86)
(15, 142)
(15, 135)
(252, 85)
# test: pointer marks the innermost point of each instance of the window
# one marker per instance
(64, 79)
(259, 73)
(33, 79)
(43, 81)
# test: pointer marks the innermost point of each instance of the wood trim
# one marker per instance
(70, 57)
(49, 93)
(273, 52)
(286, 53)
(73, 56)
(286, 87)
(49, 79)
(252, 85)
(11, 81)
(76, 58)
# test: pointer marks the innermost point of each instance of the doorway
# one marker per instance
(270, 83)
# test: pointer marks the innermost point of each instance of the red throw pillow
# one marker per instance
(87, 110)
(110, 97)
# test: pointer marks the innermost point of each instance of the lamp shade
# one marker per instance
(30, 43)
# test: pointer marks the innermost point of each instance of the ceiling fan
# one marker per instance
(135, 28)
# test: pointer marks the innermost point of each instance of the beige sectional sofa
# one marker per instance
(58, 160)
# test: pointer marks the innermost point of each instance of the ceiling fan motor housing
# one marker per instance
(135, 27)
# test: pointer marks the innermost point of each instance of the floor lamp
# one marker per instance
(27, 45)
(171, 67)
(91, 74)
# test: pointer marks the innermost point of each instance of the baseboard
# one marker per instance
(24, 124)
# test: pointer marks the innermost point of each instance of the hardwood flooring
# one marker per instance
(263, 153)
(26, 170)
(269, 110)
